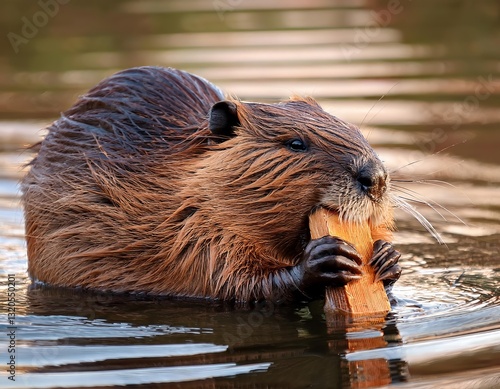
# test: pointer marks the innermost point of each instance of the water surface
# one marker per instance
(421, 79)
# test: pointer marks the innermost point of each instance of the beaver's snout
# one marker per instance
(372, 179)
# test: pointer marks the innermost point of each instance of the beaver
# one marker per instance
(155, 182)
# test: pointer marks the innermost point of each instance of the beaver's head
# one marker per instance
(274, 164)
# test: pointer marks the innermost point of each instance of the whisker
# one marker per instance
(430, 182)
(430, 203)
(444, 168)
(429, 156)
(374, 105)
(438, 183)
(423, 202)
(404, 166)
(401, 203)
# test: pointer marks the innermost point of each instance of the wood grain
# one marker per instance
(362, 298)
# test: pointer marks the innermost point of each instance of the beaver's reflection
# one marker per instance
(301, 348)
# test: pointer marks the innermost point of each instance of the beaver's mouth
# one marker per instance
(357, 213)
(329, 209)
(344, 215)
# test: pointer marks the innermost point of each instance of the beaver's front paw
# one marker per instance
(385, 262)
(327, 261)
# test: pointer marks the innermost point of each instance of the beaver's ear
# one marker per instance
(222, 119)
(307, 99)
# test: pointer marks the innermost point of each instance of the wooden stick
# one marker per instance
(362, 298)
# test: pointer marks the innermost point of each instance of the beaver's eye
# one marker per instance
(297, 145)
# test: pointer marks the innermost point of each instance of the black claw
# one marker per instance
(341, 278)
(333, 246)
(385, 261)
(380, 249)
(334, 263)
(391, 276)
(385, 266)
(378, 245)
(328, 261)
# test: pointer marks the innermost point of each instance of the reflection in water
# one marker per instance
(168, 339)
(65, 331)
(421, 80)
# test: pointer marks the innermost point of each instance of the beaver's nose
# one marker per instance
(372, 179)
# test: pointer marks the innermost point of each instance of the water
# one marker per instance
(422, 81)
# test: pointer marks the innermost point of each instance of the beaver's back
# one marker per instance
(105, 169)
(137, 110)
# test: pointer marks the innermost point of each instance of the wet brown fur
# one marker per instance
(131, 192)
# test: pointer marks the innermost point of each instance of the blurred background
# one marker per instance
(433, 66)
(420, 78)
